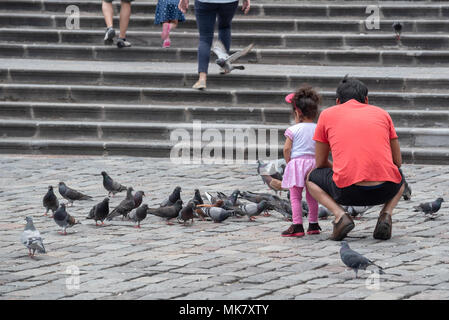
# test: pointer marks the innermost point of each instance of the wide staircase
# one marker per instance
(62, 91)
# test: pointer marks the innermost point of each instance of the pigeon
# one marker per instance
(217, 214)
(64, 219)
(224, 60)
(187, 213)
(430, 208)
(252, 210)
(274, 202)
(210, 198)
(71, 194)
(110, 185)
(231, 201)
(50, 201)
(138, 198)
(99, 211)
(356, 211)
(198, 197)
(397, 27)
(407, 194)
(167, 212)
(31, 238)
(124, 207)
(355, 260)
(139, 214)
(171, 200)
(273, 179)
(323, 213)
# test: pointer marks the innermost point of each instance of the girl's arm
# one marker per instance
(288, 149)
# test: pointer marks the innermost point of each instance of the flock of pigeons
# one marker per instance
(218, 208)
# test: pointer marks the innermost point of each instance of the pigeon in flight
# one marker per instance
(50, 201)
(167, 212)
(64, 219)
(171, 200)
(71, 194)
(397, 27)
(271, 174)
(355, 260)
(430, 208)
(124, 207)
(224, 60)
(139, 214)
(99, 211)
(110, 185)
(31, 238)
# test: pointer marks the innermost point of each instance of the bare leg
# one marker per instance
(108, 13)
(390, 205)
(125, 14)
(326, 200)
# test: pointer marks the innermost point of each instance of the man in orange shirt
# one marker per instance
(365, 160)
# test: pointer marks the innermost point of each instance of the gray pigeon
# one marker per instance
(50, 201)
(271, 174)
(274, 202)
(224, 60)
(110, 185)
(356, 211)
(430, 208)
(187, 213)
(167, 212)
(217, 214)
(252, 210)
(231, 201)
(138, 198)
(210, 198)
(323, 213)
(71, 194)
(171, 200)
(124, 207)
(407, 194)
(64, 219)
(99, 211)
(139, 214)
(355, 260)
(31, 238)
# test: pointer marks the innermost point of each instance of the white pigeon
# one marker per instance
(31, 238)
(225, 60)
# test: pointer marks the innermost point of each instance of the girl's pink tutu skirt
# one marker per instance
(296, 171)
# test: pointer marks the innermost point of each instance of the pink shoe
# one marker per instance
(166, 43)
(165, 31)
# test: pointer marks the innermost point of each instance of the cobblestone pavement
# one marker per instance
(236, 259)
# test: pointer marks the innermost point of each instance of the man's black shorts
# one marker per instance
(355, 195)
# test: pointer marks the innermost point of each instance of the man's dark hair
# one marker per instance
(351, 88)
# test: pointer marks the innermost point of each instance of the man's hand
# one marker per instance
(183, 5)
(245, 6)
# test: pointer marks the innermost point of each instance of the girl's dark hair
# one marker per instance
(306, 100)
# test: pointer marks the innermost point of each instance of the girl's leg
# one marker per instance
(295, 200)
(313, 207)
(225, 15)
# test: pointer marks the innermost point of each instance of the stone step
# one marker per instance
(178, 78)
(208, 114)
(264, 40)
(152, 131)
(240, 24)
(327, 9)
(187, 96)
(341, 57)
(161, 149)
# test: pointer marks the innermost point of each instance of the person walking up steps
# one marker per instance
(299, 153)
(125, 14)
(168, 14)
(206, 12)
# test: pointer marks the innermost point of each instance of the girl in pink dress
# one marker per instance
(299, 153)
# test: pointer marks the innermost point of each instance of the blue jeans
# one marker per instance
(206, 15)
